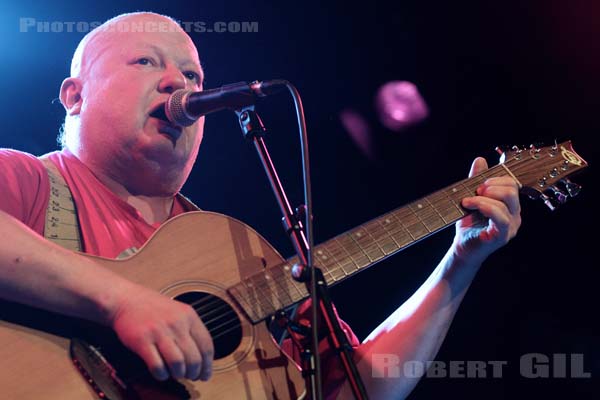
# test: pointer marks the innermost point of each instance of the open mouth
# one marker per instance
(165, 126)
(159, 112)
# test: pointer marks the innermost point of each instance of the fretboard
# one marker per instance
(273, 289)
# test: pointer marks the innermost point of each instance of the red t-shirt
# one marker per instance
(110, 226)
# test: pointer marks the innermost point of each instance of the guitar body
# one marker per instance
(196, 253)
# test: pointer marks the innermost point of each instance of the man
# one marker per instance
(125, 168)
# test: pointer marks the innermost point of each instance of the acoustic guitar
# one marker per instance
(235, 280)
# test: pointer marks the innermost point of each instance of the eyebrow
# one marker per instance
(181, 65)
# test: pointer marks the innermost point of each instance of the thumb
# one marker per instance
(479, 165)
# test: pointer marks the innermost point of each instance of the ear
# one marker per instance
(70, 95)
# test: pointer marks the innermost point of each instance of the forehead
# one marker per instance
(174, 43)
(169, 42)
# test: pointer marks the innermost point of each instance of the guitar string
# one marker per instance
(441, 199)
(490, 172)
(421, 217)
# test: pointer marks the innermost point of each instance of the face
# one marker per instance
(124, 77)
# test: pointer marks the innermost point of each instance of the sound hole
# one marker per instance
(219, 318)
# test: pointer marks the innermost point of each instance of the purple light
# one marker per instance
(400, 105)
(359, 131)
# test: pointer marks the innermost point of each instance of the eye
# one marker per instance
(191, 75)
(144, 61)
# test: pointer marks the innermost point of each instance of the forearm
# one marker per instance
(415, 331)
(39, 273)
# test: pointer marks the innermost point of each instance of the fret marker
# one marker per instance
(420, 205)
(319, 252)
(324, 257)
(454, 190)
(250, 284)
(387, 221)
(267, 277)
(358, 234)
(286, 267)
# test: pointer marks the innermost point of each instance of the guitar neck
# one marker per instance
(265, 293)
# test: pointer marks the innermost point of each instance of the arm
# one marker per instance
(39, 273)
(415, 331)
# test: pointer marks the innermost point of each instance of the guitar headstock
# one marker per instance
(543, 171)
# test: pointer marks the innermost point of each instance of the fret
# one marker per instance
(402, 238)
(258, 282)
(322, 260)
(396, 231)
(334, 272)
(381, 236)
(417, 230)
(445, 207)
(344, 264)
(454, 194)
(285, 271)
(453, 213)
(255, 305)
(347, 264)
(429, 216)
(284, 280)
(355, 250)
(239, 293)
(339, 254)
(367, 244)
(388, 225)
(406, 217)
(400, 234)
(386, 243)
(437, 202)
(374, 250)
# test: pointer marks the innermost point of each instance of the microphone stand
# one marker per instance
(253, 129)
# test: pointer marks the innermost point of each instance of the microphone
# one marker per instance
(184, 107)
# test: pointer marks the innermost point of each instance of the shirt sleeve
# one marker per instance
(25, 188)
(333, 374)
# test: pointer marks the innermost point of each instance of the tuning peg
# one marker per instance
(560, 196)
(548, 202)
(500, 150)
(572, 188)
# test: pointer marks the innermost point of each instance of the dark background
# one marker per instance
(492, 73)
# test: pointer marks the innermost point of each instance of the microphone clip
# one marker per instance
(251, 124)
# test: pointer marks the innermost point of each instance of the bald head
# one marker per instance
(128, 23)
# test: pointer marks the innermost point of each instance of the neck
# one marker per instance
(154, 209)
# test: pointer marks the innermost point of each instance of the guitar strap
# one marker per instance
(62, 224)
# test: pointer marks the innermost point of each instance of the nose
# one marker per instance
(172, 80)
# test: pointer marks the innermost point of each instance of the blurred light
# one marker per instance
(359, 131)
(400, 105)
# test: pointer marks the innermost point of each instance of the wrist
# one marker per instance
(462, 265)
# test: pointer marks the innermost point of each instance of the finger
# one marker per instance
(153, 361)
(191, 353)
(501, 181)
(205, 343)
(173, 357)
(508, 195)
(495, 210)
(479, 165)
